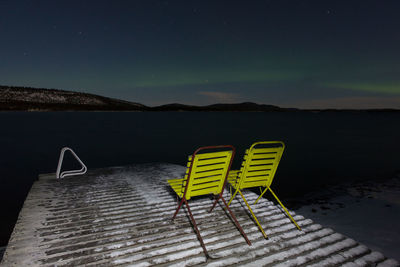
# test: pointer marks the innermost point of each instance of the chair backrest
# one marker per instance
(260, 163)
(207, 172)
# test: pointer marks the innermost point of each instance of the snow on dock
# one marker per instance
(122, 216)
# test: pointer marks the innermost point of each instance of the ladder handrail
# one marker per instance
(72, 172)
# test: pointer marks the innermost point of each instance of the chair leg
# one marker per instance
(179, 206)
(236, 222)
(254, 216)
(233, 196)
(215, 203)
(287, 212)
(197, 230)
(261, 195)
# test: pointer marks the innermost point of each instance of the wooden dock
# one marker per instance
(122, 216)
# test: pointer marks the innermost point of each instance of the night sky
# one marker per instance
(305, 54)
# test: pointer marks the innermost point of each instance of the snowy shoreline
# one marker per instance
(367, 211)
(2, 250)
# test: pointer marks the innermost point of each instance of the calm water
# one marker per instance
(321, 148)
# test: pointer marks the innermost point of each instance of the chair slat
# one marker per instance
(213, 167)
(207, 173)
(256, 178)
(259, 167)
(177, 185)
(267, 150)
(207, 179)
(208, 184)
(204, 162)
(261, 162)
(211, 155)
(258, 173)
(253, 184)
(206, 191)
(264, 156)
(175, 181)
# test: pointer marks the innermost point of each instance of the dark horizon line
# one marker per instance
(114, 104)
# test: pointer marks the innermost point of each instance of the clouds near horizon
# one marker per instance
(220, 97)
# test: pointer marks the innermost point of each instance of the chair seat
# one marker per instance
(233, 178)
(178, 186)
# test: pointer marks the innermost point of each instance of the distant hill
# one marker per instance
(246, 106)
(40, 99)
(14, 98)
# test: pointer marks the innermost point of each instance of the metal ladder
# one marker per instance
(72, 172)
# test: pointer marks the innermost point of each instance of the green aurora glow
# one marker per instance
(308, 54)
(372, 87)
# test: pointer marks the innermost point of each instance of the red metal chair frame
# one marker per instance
(216, 198)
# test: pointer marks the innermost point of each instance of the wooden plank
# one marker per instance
(105, 219)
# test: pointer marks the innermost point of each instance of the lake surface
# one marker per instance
(321, 148)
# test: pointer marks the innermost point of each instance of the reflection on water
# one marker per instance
(321, 148)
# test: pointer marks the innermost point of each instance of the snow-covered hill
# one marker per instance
(26, 98)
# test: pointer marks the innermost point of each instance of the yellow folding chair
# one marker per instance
(206, 174)
(258, 170)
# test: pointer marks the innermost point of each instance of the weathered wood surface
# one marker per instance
(122, 216)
